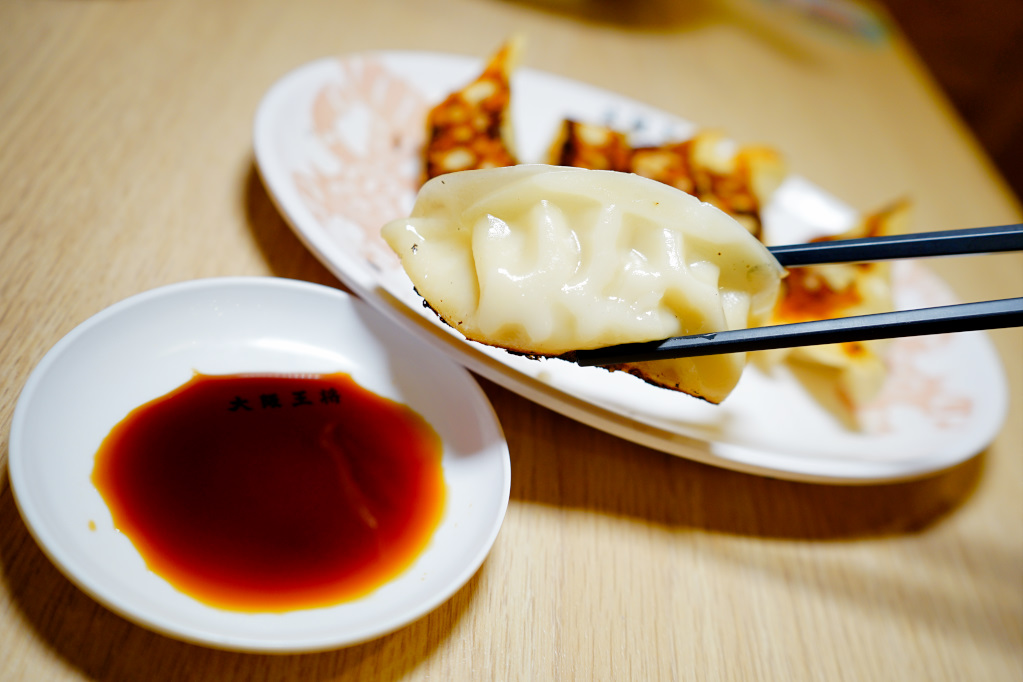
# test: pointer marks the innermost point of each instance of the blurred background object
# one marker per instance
(972, 50)
(975, 53)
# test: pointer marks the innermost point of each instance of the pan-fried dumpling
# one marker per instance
(844, 376)
(472, 127)
(542, 260)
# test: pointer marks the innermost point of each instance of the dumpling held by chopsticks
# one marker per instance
(542, 260)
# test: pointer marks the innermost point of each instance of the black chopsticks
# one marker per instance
(940, 320)
(964, 317)
(973, 240)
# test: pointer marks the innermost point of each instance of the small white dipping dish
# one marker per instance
(145, 346)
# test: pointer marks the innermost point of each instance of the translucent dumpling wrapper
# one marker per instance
(542, 260)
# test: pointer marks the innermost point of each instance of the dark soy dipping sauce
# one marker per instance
(272, 493)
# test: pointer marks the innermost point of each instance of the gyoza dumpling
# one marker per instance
(472, 127)
(843, 376)
(543, 260)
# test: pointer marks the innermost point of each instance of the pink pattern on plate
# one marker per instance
(371, 124)
(911, 384)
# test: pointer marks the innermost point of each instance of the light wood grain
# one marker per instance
(126, 163)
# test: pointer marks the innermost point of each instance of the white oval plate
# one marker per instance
(337, 144)
(144, 346)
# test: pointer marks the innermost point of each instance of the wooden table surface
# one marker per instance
(126, 163)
